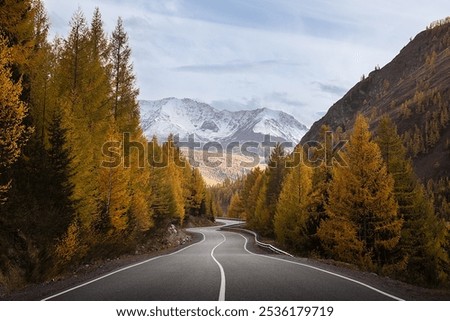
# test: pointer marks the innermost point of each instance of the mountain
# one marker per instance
(189, 117)
(414, 90)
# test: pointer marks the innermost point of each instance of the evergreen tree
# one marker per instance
(423, 234)
(61, 187)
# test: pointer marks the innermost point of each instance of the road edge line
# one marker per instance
(324, 271)
(123, 269)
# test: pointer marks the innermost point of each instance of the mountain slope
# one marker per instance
(414, 89)
(188, 117)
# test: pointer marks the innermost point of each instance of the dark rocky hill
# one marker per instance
(414, 89)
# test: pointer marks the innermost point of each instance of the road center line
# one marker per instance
(222, 272)
(125, 268)
(324, 271)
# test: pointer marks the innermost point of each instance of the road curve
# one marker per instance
(220, 267)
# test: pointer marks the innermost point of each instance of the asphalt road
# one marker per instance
(220, 267)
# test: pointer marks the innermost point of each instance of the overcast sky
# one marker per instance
(297, 56)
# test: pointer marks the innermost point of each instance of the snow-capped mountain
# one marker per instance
(186, 117)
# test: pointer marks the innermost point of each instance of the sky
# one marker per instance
(299, 56)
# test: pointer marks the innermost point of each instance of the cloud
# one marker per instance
(298, 56)
(331, 88)
(233, 67)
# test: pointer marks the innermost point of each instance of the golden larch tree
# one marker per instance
(361, 202)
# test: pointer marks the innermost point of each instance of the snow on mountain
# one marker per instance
(188, 117)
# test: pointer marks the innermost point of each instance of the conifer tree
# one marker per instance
(40, 65)
(263, 220)
(176, 201)
(321, 177)
(235, 210)
(13, 131)
(361, 202)
(61, 187)
(140, 206)
(196, 192)
(251, 214)
(16, 26)
(98, 39)
(423, 234)
(275, 175)
(114, 184)
(83, 88)
(292, 211)
(249, 198)
(125, 106)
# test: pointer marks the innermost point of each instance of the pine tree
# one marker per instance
(361, 200)
(61, 187)
(423, 234)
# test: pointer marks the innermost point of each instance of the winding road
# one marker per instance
(221, 267)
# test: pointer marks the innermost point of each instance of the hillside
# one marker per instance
(414, 89)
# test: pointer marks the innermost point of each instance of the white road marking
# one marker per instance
(222, 272)
(124, 269)
(324, 271)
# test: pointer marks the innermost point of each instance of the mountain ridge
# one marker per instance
(189, 117)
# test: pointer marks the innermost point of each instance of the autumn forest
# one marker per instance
(61, 100)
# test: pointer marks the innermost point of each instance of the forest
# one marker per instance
(61, 101)
(69, 106)
(368, 209)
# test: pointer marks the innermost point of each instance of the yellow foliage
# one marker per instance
(292, 207)
(114, 187)
(361, 196)
(69, 246)
(12, 112)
